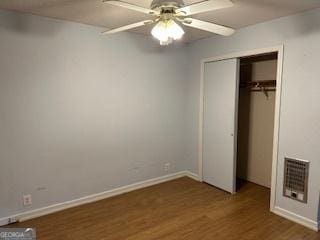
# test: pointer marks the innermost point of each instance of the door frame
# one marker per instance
(280, 51)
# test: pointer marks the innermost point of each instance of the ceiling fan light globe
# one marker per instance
(167, 31)
(174, 30)
(159, 32)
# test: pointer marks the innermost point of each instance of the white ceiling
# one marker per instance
(94, 12)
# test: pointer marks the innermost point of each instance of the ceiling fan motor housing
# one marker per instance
(156, 4)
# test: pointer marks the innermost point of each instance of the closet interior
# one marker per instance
(256, 110)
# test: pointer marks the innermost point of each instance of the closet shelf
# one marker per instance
(265, 85)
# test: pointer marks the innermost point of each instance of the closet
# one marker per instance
(256, 110)
(239, 96)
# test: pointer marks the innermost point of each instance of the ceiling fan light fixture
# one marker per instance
(169, 15)
(166, 31)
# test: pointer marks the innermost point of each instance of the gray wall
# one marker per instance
(81, 113)
(300, 111)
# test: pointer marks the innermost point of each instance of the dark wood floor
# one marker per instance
(180, 209)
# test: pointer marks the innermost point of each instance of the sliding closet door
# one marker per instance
(220, 122)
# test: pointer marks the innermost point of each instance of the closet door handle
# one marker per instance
(232, 135)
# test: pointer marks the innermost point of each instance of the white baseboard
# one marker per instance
(93, 198)
(7, 220)
(296, 218)
(192, 175)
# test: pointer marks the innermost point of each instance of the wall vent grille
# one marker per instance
(296, 173)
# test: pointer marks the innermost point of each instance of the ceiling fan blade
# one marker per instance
(127, 27)
(204, 6)
(209, 27)
(130, 6)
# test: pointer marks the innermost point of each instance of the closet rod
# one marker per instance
(265, 83)
(263, 90)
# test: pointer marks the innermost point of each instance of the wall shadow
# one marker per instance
(243, 123)
(28, 24)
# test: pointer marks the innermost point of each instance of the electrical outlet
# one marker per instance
(167, 167)
(27, 200)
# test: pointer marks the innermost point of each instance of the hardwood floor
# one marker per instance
(180, 209)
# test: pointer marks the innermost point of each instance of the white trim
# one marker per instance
(278, 49)
(4, 221)
(296, 218)
(93, 198)
(235, 133)
(192, 176)
(276, 129)
(243, 54)
(7, 220)
(201, 119)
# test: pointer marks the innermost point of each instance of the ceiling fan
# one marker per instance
(167, 14)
